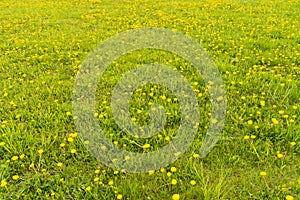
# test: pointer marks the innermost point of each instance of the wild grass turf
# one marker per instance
(255, 44)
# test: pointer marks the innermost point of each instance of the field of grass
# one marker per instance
(256, 46)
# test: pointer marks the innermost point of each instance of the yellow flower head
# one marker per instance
(173, 169)
(174, 182)
(3, 183)
(263, 173)
(175, 197)
(289, 197)
(192, 182)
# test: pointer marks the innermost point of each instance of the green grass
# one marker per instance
(255, 45)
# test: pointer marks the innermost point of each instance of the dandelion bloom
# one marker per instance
(289, 197)
(59, 164)
(3, 183)
(192, 182)
(263, 173)
(174, 182)
(175, 197)
(173, 169)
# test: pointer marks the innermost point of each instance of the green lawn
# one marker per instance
(256, 46)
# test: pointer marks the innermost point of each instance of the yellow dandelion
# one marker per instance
(119, 196)
(173, 169)
(62, 145)
(262, 103)
(250, 122)
(275, 121)
(195, 155)
(15, 158)
(70, 139)
(253, 136)
(193, 182)
(2, 144)
(73, 151)
(174, 182)
(97, 171)
(293, 144)
(289, 197)
(175, 197)
(96, 179)
(68, 113)
(40, 151)
(151, 172)
(59, 164)
(111, 182)
(281, 112)
(279, 155)
(88, 188)
(262, 173)
(73, 135)
(22, 156)
(169, 174)
(3, 183)
(146, 146)
(246, 137)
(15, 177)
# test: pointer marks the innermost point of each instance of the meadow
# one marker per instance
(256, 47)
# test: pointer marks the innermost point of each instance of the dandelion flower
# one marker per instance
(281, 112)
(279, 155)
(119, 196)
(246, 137)
(174, 182)
(289, 197)
(73, 150)
(88, 188)
(40, 151)
(146, 146)
(293, 144)
(3, 183)
(15, 158)
(15, 177)
(195, 155)
(275, 121)
(253, 136)
(151, 172)
(2, 144)
(173, 169)
(175, 197)
(59, 164)
(193, 182)
(111, 182)
(262, 173)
